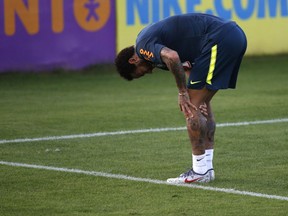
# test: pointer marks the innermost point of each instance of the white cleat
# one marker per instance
(192, 177)
(212, 174)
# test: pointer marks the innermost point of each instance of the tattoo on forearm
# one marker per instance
(179, 74)
(171, 59)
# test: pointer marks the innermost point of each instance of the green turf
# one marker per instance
(247, 158)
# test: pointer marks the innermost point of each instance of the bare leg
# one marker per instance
(197, 131)
(211, 127)
(201, 128)
(209, 141)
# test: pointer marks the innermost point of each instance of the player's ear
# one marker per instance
(134, 59)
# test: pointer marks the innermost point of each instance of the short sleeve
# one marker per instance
(150, 51)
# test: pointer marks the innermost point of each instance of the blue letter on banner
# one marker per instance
(272, 8)
(140, 7)
(221, 11)
(190, 5)
(167, 4)
(244, 13)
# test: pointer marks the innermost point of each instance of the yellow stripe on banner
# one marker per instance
(212, 64)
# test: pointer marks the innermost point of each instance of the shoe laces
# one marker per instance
(188, 173)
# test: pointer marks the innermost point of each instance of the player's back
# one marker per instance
(187, 34)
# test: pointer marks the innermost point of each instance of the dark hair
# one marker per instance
(122, 65)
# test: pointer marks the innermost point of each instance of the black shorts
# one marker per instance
(218, 65)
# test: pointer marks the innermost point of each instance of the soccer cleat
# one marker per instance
(192, 177)
(212, 174)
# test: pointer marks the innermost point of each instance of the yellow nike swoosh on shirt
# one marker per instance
(192, 83)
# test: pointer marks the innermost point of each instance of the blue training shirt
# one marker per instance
(187, 34)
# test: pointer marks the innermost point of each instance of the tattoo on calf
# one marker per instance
(211, 126)
(197, 129)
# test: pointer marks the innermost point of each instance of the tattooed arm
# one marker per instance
(173, 63)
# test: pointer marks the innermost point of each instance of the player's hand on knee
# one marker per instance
(203, 109)
(185, 105)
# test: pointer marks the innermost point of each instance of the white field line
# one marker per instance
(75, 136)
(147, 180)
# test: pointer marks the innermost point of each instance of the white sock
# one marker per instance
(199, 163)
(209, 158)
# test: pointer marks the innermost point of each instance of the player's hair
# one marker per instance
(124, 68)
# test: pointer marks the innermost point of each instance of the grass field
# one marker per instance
(62, 175)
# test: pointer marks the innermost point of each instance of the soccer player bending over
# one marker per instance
(210, 50)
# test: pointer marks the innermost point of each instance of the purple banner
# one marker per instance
(42, 35)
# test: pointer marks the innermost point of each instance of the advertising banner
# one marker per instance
(265, 22)
(48, 34)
